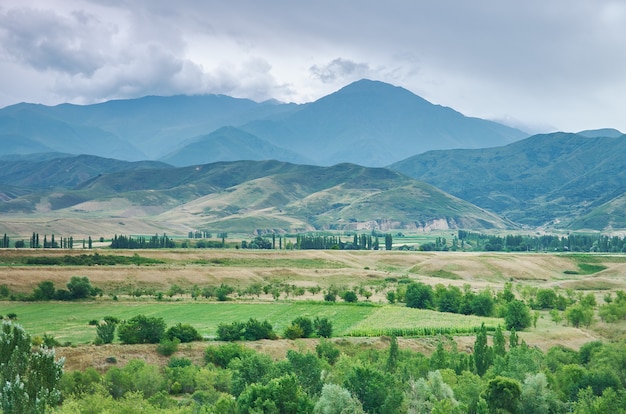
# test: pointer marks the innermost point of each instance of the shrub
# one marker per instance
(330, 297)
(305, 324)
(80, 287)
(326, 350)
(168, 346)
(255, 330)
(323, 327)
(12, 315)
(230, 332)
(252, 330)
(419, 295)
(184, 333)
(141, 330)
(293, 331)
(49, 341)
(349, 296)
(220, 356)
(517, 315)
(105, 332)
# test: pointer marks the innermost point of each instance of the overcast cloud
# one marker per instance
(540, 64)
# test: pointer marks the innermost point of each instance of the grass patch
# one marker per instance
(398, 320)
(591, 284)
(589, 269)
(444, 274)
(272, 262)
(69, 322)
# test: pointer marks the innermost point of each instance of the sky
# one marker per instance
(540, 65)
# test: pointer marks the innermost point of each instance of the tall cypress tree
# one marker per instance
(482, 351)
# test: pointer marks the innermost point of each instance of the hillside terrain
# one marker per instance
(564, 180)
(242, 196)
(368, 123)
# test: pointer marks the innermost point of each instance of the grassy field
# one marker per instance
(68, 322)
(374, 271)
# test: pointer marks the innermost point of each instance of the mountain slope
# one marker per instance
(247, 196)
(534, 181)
(373, 123)
(39, 130)
(63, 171)
(229, 144)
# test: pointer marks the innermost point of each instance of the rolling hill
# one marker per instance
(248, 196)
(551, 179)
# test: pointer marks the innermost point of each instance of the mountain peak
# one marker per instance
(601, 133)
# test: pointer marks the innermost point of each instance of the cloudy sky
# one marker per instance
(540, 64)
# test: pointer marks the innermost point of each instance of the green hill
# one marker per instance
(248, 196)
(542, 180)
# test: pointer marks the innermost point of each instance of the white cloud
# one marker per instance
(542, 61)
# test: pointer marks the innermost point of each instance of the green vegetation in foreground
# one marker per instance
(68, 322)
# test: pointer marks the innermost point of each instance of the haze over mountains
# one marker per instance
(201, 162)
(367, 123)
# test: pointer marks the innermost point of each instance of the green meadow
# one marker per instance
(69, 322)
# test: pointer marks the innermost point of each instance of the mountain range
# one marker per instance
(239, 196)
(569, 180)
(369, 123)
(219, 163)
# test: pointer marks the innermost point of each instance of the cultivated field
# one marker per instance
(372, 271)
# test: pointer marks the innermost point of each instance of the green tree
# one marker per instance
(29, 377)
(141, 329)
(280, 395)
(44, 291)
(375, 390)
(327, 351)
(183, 332)
(335, 399)
(80, 287)
(425, 394)
(482, 351)
(536, 396)
(499, 342)
(306, 324)
(419, 295)
(517, 315)
(249, 369)
(579, 314)
(392, 356)
(349, 296)
(503, 395)
(323, 327)
(308, 371)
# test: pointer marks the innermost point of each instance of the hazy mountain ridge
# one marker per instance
(367, 122)
(373, 123)
(544, 179)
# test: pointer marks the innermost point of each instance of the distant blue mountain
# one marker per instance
(373, 123)
(229, 144)
(368, 122)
